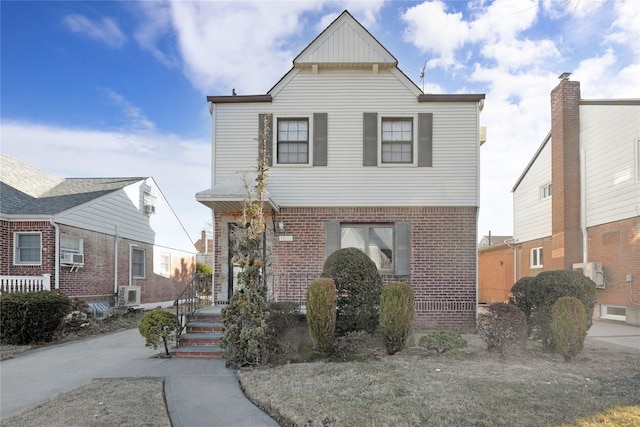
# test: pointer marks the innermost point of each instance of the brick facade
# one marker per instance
(95, 281)
(495, 273)
(442, 256)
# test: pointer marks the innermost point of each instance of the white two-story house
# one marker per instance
(577, 203)
(360, 157)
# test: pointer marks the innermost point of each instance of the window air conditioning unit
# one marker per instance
(72, 259)
(149, 209)
(592, 270)
(128, 295)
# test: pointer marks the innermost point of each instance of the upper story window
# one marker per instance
(165, 263)
(293, 141)
(137, 263)
(148, 203)
(536, 258)
(545, 191)
(397, 140)
(27, 248)
(374, 240)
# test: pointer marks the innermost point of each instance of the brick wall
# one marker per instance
(443, 256)
(565, 170)
(495, 273)
(48, 254)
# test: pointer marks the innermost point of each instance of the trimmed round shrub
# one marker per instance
(396, 315)
(321, 314)
(157, 327)
(358, 285)
(442, 341)
(568, 326)
(501, 326)
(32, 317)
(537, 295)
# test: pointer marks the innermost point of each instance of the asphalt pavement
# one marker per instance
(199, 392)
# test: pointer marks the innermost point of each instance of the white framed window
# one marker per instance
(376, 240)
(165, 263)
(536, 257)
(137, 263)
(148, 203)
(397, 140)
(613, 312)
(292, 145)
(70, 245)
(545, 191)
(27, 248)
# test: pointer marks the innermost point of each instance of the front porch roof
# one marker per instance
(230, 193)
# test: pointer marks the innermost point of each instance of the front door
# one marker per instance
(234, 268)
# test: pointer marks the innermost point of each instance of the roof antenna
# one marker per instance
(422, 75)
(233, 92)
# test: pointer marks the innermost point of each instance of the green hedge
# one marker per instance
(321, 313)
(34, 317)
(396, 315)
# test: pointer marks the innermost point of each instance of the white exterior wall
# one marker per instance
(345, 95)
(123, 209)
(532, 216)
(609, 135)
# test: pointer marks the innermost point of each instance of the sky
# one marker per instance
(118, 88)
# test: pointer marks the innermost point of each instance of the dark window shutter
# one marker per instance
(425, 139)
(269, 135)
(370, 142)
(320, 139)
(333, 237)
(403, 245)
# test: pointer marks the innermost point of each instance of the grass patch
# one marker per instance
(470, 387)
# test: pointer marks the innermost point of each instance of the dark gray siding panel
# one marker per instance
(320, 139)
(370, 142)
(266, 120)
(425, 139)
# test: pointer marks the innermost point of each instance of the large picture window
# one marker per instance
(374, 240)
(293, 141)
(27, 248)
(397, 140)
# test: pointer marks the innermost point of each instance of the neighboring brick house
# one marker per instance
(495, 269)
(204, 246)
(360, 157)
(577, 203)
(90, 238)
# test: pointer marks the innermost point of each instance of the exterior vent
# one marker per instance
(592, 270)
(149, 209)
(70, 258)
(128, 295)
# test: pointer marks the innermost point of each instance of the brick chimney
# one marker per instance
(566, 235)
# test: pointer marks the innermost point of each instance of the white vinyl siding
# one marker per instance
(345, 95)
(532, 214)
(609, 135)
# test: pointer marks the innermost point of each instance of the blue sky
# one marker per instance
(108, 88)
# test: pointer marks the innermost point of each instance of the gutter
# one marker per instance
(56, 277)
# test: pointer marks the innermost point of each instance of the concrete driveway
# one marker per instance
(198, 392)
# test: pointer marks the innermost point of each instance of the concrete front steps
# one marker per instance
(202, 335)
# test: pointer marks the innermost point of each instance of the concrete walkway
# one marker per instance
(198, 392)
(615, 333)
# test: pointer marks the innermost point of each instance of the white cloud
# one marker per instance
(625, 29)
(181, 167)
(155, 27)
(106, 30)
(136, 119)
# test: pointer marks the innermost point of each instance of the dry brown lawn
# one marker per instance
(470, 387)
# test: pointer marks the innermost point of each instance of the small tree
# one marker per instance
(158, 326)
(442, 341)
(244, 321)
(568, 326)
(501, 326)
(396, 315)
(321, 313)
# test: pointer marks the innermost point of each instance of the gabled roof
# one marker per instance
(228, 196)
(357, 46)
(25, 190)
(535, 156)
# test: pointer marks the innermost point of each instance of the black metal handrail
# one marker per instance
(196, 295)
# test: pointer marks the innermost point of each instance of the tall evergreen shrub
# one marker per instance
(568, 327)
(396, 315)
(321, 313)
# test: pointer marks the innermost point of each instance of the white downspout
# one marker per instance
(115, 264)
(583, 203)
(213, 257)
(212, 111)
(56, 277)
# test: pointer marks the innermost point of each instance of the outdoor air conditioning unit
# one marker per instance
(72, 259)
(128, 295)
(592, 270)
(149, 209)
